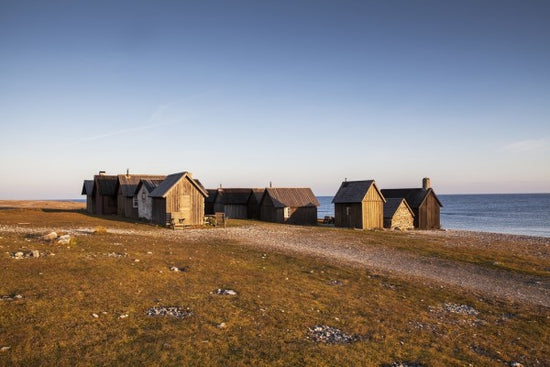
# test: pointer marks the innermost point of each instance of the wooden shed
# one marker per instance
(209, 201)
(424, 203)
(105, 193)
(127, 201)
(88, 190)
(289, 205)
(359, 204)
(179, 198)
(254, 203)
(143, 196)
(398, 214)
(233, 202)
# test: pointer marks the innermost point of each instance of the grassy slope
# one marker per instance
(279, 298)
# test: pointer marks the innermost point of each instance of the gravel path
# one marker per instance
(342, 247)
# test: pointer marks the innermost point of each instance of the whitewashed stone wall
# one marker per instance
(145, 204)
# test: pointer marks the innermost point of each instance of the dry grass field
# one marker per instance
(86, 302)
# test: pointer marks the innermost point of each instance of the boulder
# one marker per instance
(50, 236)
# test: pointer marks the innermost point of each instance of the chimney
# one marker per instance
(426, 183)
(127, 172)
(101, 173)
(270, 184)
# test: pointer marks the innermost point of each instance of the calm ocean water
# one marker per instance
(526, 214)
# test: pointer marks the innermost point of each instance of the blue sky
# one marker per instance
(300, 93)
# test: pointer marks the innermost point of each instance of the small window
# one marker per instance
(135, 202)
(287, 212)
(348, 210)
(143, 196)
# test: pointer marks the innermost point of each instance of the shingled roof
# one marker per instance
(353, 191)
(414, 197)
(292, 197)
(128, 183)
(391, 206)
(88, 187)
(169, 182)
(106, 184)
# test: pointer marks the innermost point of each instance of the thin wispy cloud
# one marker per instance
(530, 145)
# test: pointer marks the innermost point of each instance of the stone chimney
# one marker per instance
(426, 183)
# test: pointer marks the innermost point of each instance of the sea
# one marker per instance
(523, 214)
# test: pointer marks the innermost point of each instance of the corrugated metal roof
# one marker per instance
(88, 187)
(414, 197)
(128, 183)
(106, 184)
(391, 206)
(292, 197)
(169, 182)
(353, 191)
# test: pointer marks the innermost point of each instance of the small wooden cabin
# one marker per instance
(88, 190)
(233, 202)
(398, 214)
(127, 201)
(178, 199)
(105, 193)
(144, 200)
(254, 203)
(289, 205)
(359, 204)
(423, 201)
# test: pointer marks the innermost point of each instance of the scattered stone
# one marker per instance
(149, 253)
(173, 311)
(123, 316)
(460, 309)
(5, 349)
(515, 364)
(25, 254)
(221, 326)
(64, 240)
(95, 315)
(10, 297)
(329, 335)
(50, 236)
(225, 292)
(136, 260)
(403, 364)
(334, 282)
(35, 253)
(117, 255)
(176, 269)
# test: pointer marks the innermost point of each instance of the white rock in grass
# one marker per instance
(64, 240)
(50, 236)
(5, 349)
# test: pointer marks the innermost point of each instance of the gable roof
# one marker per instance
(128, 183)
(234, 196)
(415, 197)
(392, 204)
(354, 191)
(106, 184)
(171, 180)
(88, 187)
(291, 197)
(256, 195)
(149, 184)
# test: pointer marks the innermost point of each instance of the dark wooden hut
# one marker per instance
(424, 203)
(289, 205)
(127, 200)
(398, 214)
(88, 190)
(359, 204)
(179, 199)
(105, 193)
(209, 201)
(254, 203)
(233, 202)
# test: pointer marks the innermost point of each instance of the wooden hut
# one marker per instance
(233, 202)
(424, 203)
(105, 193)
(127, 201)
(209, 201)
(398, 214)
(289, 205)
(359, 204)
(88, 190)
(254, 203)
(143, 196)
(179, 199)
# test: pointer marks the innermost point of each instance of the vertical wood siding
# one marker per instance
(184, 200)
